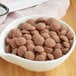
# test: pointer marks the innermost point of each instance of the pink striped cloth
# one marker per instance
(54, 8)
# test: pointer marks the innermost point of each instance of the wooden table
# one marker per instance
(68, 68)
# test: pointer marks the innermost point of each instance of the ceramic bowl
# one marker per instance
(37, 66)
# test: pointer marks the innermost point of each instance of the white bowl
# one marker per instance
(29, 64)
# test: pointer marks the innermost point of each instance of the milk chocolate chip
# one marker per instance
(50, 56)
(27, 36)
(30, 47)
(39, 49)
(22, 50)
(54, 24)
(20, 41)
(13, 43)
(31, 21)
(38, 40)
(26, 26)
(45, 35)
(40, 58)
(29, 55)
(14, 51)
(15, 33)
(50, 43)
(40, 26)
(57, 53)
(8, 49)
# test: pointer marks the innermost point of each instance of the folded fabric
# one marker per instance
(15, 5)
(52, 8)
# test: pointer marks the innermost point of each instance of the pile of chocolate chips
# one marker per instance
(40, 40)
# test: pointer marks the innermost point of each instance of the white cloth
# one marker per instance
(54, 8)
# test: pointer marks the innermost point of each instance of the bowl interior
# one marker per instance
(15, 24)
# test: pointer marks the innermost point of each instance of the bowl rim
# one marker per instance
(61, 21)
